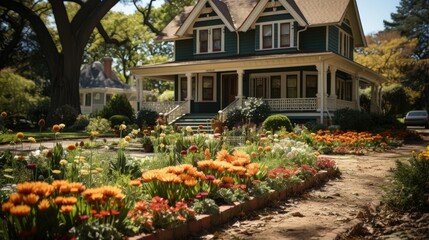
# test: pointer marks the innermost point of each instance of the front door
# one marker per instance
(229, 89)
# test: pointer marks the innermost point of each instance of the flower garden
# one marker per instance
(85, 191)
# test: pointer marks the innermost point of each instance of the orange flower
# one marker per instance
(226, 179)
(15, 198)
(135, 183)
(25, 188)
(222, 155)
(20, 210)
(20, 135)
(71, 147)
(3, 114)
(56, 128)
(69, 201)
(59, 200)
(44, 205)
(268, 149)
(127, 138)
(191, 182)
(31, 199)
(5, 207)
(207, 154)
(66, 209)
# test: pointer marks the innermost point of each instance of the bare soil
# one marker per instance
(335, 208)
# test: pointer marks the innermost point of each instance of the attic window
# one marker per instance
(267, 36)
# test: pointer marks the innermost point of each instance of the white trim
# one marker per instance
(222, 17)
(273, 24)
(283, 83)
(210, 39)
(191, 17)
(344, 50)
(199, 96)
(291, 33)
(274, 13)
(304, 83)
(294, 14)
(207, 19)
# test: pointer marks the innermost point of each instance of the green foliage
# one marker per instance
(396, 101)
(65, 114)
(231, 195)
(18, 93)
(350, 119)
(255, 110)
(98, 124)
(260, 188)
(410, 186)
(234, 118)
(146, 117)
(275, 122)
(167, 95)
(314, 126)
(116, 120)
(82, 121)
(95, 230)
(39, 110)
(205, 206)
(365, 100)
(118, 105)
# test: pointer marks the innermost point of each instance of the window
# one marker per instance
(311, 86)
(292, 86)
(217, 39)
(267, 36)
(184, 88)
(88, 99)
(345, 44)
(259, 84)
(285, 35)
(210, 40)
(204, 41)
(208, 87)
(276, 86)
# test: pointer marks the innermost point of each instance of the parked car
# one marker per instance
(417, 118)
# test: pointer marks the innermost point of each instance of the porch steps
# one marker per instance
(194, 120)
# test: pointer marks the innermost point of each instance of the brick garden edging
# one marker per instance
(227, 212)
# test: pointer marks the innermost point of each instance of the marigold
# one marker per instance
(56, 128)
(20, 210)
(15, 198)
(191, 182)
(31, 199)
(127, 138)
(5, 207)
(44, 205)
(71, 147)
(135, 183)
(31, 139)
(20, 135)
(66, 209)
(222, 155)
(227, 179)
(3, 114)
(69, 201)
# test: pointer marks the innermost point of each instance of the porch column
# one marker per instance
(358, 92)
(189, 91)
(240, 73)
(355, 95)
(321, 92)
(333, 94)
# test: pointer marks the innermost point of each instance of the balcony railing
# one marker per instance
(334, 104)
(160, 107)
(292, 104)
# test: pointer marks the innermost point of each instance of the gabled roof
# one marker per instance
(242, 14)
(93, 76)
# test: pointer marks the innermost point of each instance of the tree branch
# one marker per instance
(146, 12)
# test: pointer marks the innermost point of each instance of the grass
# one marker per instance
(43, 136)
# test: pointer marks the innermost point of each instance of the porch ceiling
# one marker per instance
(256, 62)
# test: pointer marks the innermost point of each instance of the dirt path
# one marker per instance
(322, 212)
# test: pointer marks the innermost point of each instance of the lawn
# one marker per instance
(6, 138)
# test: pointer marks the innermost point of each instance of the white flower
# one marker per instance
(62, 125)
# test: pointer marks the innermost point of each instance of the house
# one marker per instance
(97, 85)
(295, 54)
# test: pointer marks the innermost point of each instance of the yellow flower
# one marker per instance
(66, 209)
(94, 133)
(63, 162)
(62, 125)
(31, 139)
(122, 127)
(56, 171)
(31, 199)
(44, 205)
(84, 172)
(20, 135)
(3, 114)
(127, 138)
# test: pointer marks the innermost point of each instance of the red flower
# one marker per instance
(200, 127)
(41, 122)
(183, 152)
(193, 148)
(83, 217)
(210, 177)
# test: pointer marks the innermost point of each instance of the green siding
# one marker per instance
(257, 40)
(247, 42)
(208, 23)
(272, 18)
(184, 49)
(314, 39)
(333, 39)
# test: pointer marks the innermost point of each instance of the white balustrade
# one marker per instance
(176, 113)
(282, 104)
(160, 107)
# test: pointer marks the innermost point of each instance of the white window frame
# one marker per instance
(278, 36)
(90, 104)
(210, 38)
(200, 87)
(180, 86)
(267, 84)
(344, 43)
(304, 85)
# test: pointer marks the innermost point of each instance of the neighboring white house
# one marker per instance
(97, 85)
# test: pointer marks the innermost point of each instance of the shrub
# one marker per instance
(65, 114)
(118, 120)
(80, 124)
(234, 118)
(410, 186)
(98, 124)
(146, 117)
(350, 119)
(275, 122)
(118, 105)
(40, 110)
(167, 95)
(314, 126)
(255, 110)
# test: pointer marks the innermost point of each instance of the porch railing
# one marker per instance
(223, 114)
(334, 104)
(176, 112)
(282, 104)
(160, 107)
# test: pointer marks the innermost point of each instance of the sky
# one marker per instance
(372, 12)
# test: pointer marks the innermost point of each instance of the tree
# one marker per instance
(417, 78)
(18, 93)
(412, 20)
(63, 61)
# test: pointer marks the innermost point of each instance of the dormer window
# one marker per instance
(210, 40)
(274, 35)
(345, 44)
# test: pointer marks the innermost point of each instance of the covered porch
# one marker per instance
(293, 84)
